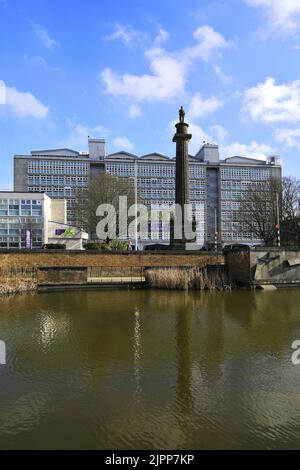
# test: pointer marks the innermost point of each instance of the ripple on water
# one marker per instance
(24, 413)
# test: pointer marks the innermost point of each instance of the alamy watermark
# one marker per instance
(2, 92)
(114, 222)
(2, 353)
(296, 354)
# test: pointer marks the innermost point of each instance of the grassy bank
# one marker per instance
(185, 279)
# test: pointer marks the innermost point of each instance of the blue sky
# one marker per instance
(120, 70)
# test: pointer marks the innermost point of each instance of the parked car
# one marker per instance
(235, 247)
(156, 247)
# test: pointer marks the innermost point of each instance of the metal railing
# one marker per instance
(115, 275)
(16, 273)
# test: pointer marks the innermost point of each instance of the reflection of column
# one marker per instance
(184, 361)
(137, 354)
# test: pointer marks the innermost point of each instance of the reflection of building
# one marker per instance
(30, 220)
(216, 186)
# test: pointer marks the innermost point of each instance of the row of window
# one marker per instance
(255, 174)
(58, 180)
(53, 191)
(5, 202)
(170, 183)
(239, 236)
(230, 205)
(12, 211)
(57, 167)
(151, 169)
(21, 220)
(18, 242)
(237, 184)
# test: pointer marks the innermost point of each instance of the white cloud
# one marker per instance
(134, 111)
(44, 36)
(123, 143)
(126, 34)
(268, 102)
(166, 81)
(200, 106)
(282, 15)
(35, 61)
(2, 92)
(162, 36)
(288, 137)
(209, 41)
(23, 104)
(78, 138)
(221, 75)
(168, 70)
(219, 132)
(199, 136)
(253, 150)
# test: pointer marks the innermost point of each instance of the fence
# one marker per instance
(18, 274)
(115, 275)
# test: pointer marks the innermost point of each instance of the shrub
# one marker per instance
(95, 246)
(118, 245)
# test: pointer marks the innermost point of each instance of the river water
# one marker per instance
(149, 369)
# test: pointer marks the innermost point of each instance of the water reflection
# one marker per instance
(184, 358)
(137, 353)
(147, 369)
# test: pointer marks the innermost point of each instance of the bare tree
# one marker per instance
(260, 209)
(102, 189)
(290, 211)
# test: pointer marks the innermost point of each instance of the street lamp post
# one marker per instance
(135, 201)
(277, 220)
(216, 229)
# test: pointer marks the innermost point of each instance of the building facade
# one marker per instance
(30, 220)
(216, 189)
(59, 172)
(216, 186)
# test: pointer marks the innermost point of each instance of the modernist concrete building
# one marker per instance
(59, 172)
(30, 220)
(217, 185)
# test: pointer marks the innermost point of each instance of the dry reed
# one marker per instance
(17, 281)
(185, 279)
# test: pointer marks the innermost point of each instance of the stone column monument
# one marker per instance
(182, 191)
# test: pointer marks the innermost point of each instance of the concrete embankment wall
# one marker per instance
(265, 266)
(23, 259)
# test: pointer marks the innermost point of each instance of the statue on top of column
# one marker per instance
(181, 114)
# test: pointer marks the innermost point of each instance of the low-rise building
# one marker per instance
(31, 220)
